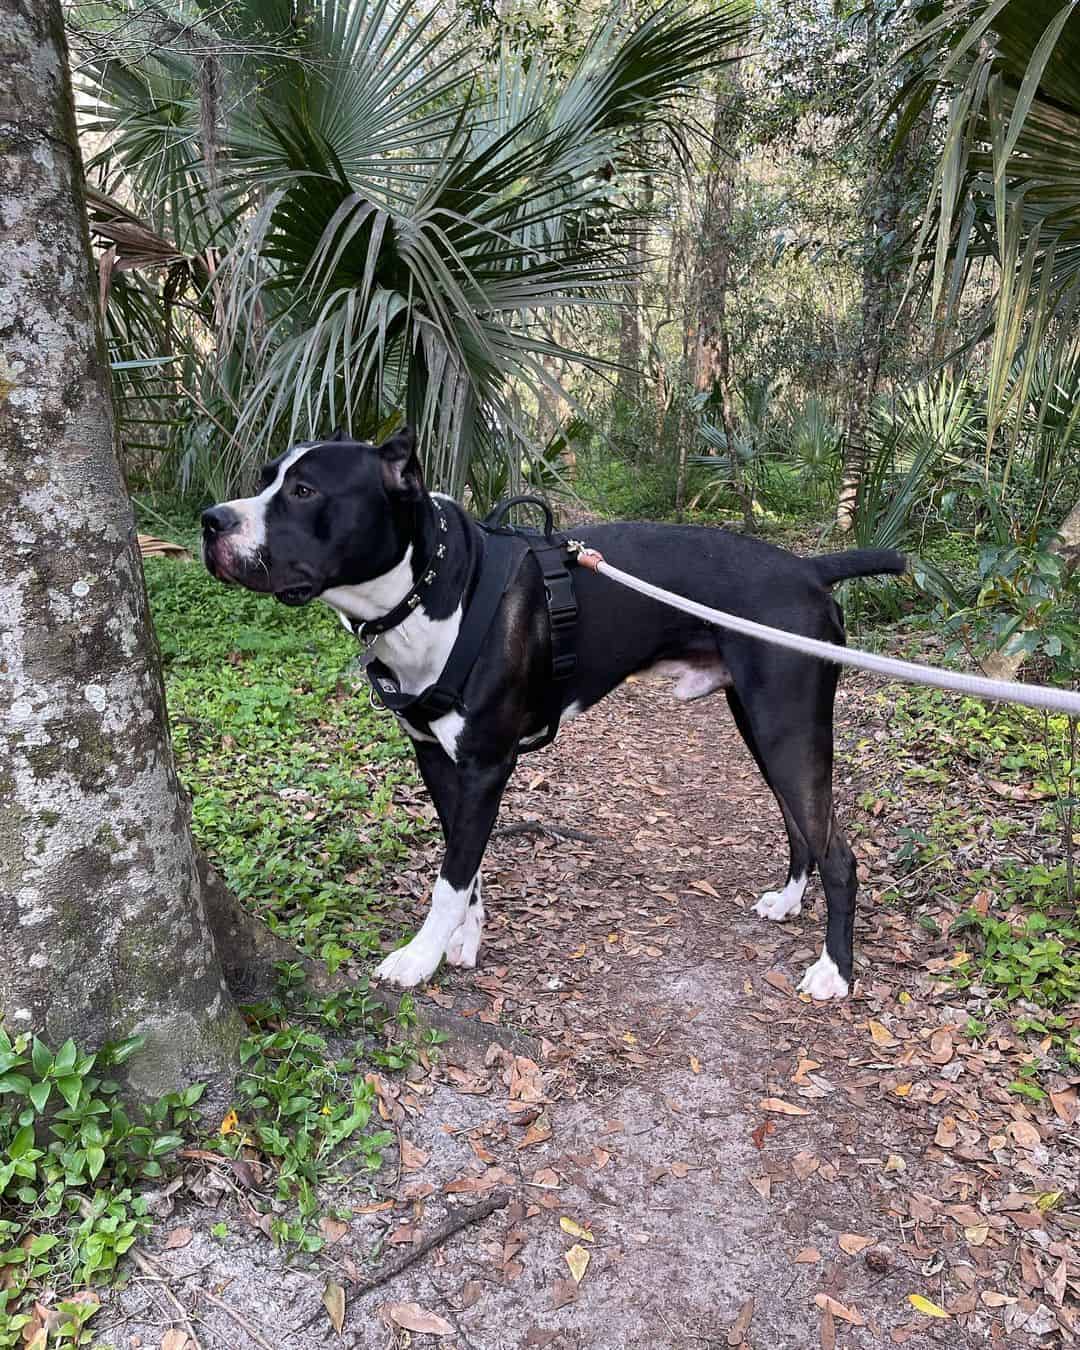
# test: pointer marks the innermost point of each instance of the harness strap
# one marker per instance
(496, 561)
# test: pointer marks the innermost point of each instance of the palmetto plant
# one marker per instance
(1008, 184)
(373, 229)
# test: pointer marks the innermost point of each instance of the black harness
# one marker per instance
(495, 564)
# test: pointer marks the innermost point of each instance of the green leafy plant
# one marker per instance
(70, 1156)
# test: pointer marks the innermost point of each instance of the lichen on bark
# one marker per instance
(101, 907)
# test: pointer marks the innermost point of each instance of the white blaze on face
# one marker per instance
(242, 544)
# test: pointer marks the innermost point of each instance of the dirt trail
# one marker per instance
(720, 1140)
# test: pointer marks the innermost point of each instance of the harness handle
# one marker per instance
(495, 519)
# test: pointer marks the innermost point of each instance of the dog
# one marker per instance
(352, 524)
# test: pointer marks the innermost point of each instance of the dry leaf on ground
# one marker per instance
(577, 1258)
(334, 1302)
(411, 1317)
(840, 1310)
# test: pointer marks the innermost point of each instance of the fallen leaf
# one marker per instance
(854, 1243)
(179, 1237)
(881, 1035)
(468, 1185)
(804, 1164)
(412, 1158)
(923, 1305)
(575, 1229)
(708, 890)
(761, 1132)
(894, 1163)
(807, 1256)
(941, 1046)
(902, 1089)
(781, 1107)
(333, 1230)
(763, 1186)
(977, 1234)
(411, 1317)
(1066, 1105)
(1055, 1284)
(471, 1292)
(737, 1335)
(845, 1314)
(563, 1292)
(174, 1339)
(992, 1299)
(695, 1064)
(1023, 1134)
(577, 1258)
(229, 1123)
(334, 1302)
(946, 1132)
(537, 1133)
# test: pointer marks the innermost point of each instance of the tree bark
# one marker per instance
(880, 216)
(712, 350)
(105, 932)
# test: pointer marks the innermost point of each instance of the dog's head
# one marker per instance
(327, 513)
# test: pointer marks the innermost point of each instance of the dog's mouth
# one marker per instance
(295, 595)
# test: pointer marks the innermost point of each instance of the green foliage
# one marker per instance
(1023, 936)
(69, 1157)
(291, 770)
(414, 229)
(302, 1100)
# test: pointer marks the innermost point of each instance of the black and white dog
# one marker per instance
(352, 524)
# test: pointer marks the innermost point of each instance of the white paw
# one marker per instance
(785, 904)
(465, 941)
(822, 980)
(410, 965)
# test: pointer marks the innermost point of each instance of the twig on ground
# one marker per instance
(456, 1222)
(236, 1317)
(535, 827)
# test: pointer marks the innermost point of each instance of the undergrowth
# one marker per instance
(1014, 919)
(290, 769)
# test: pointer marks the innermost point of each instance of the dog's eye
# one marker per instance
(302, 490)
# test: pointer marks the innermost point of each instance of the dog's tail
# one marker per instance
(857, 562)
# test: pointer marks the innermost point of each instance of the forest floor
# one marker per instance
(690, 1154)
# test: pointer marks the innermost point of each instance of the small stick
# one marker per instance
(473, 1214)
(236, 1317)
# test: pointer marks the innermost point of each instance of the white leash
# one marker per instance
(977, 686)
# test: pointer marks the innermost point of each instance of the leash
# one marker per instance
(977, 686)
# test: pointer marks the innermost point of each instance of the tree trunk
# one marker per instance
(101, 905)
(712, 352)
(880, 216)
(629, 385)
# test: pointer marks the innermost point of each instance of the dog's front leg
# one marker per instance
(476, 804)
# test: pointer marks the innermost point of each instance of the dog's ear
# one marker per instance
(402, 475)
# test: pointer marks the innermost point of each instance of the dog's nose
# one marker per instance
(219, 519)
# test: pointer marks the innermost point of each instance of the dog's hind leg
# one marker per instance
(785, 904)
(479, 789)
(789, 706)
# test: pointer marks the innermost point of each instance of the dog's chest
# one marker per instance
(418, 649)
